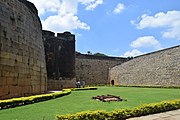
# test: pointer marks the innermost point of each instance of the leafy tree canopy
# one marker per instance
(99, 54)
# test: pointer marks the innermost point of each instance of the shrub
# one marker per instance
(123, 114)
(86, 88)
(147, 86)
(31, 99)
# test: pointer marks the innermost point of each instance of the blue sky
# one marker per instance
(114, 27)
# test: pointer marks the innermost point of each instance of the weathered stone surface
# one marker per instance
(60, 55)
(95, 69)
(158, 68)
(60, 84)
(21, 49)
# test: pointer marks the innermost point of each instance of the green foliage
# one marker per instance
(12, 18)
(31, 99)
(123, 114)
(147, 86)
(89, 53)
(37, 98)
(99, 54)
(86, 88)
(81, 100)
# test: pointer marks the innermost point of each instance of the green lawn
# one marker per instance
(81, 100)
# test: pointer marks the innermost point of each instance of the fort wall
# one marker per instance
(95, 69)
(60, 59)
(22, 58)
(160, 68)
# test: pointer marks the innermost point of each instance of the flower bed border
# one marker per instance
(125, 113)
(14, 102)
(148, 86)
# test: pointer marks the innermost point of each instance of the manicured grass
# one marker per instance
(81, 100)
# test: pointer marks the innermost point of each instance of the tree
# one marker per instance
(99, 54)
(89, 53)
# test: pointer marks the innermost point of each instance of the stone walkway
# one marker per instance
(171, 115)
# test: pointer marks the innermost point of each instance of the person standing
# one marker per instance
(83, 83)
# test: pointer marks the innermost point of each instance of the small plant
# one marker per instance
(12, 18)
(4, 33)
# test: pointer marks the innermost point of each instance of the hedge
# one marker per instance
(125, 113)
(86, 88)
(147, 86)
(9, 103)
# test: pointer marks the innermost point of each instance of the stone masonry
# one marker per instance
(22, 60)
(26, 52)
(95, 69)
(60, 59)
(160, 68)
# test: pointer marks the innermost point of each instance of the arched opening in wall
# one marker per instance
(112, 82)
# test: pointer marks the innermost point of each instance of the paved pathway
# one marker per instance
(171, 115)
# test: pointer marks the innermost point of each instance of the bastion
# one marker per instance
(60, 59)
(22, 58)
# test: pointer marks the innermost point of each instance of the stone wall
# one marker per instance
(95, 69)
(22, 60)
(157, 68)
(61, 84)
(60, 58)
(60, 54)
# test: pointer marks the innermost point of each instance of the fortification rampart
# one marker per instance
(22, 60)
(158, 68)
(95, 69)
(60, 59)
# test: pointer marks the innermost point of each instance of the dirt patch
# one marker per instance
(108, 98)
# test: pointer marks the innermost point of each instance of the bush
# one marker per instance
(86, 88)
(147, 86)
(123, 114)
(31, 99)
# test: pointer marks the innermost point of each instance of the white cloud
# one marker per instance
(170, 21)
(46, 5)
(60, 23)
(91, 4)
(132, 53)
(65, 13)
(119, 8)
(68, 6)
(173, 32)
(146, 41)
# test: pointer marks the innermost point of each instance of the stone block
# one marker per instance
(19, 58)
(24, 82)
(5, 55)
(3, 81)
(4, 90)
(27, 90)
(12, 81)
(15, 90)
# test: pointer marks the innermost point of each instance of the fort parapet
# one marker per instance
(22, 60)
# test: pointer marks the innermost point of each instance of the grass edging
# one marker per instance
(14, 102)
(147, 86)
(125, 113)
(86, 88)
